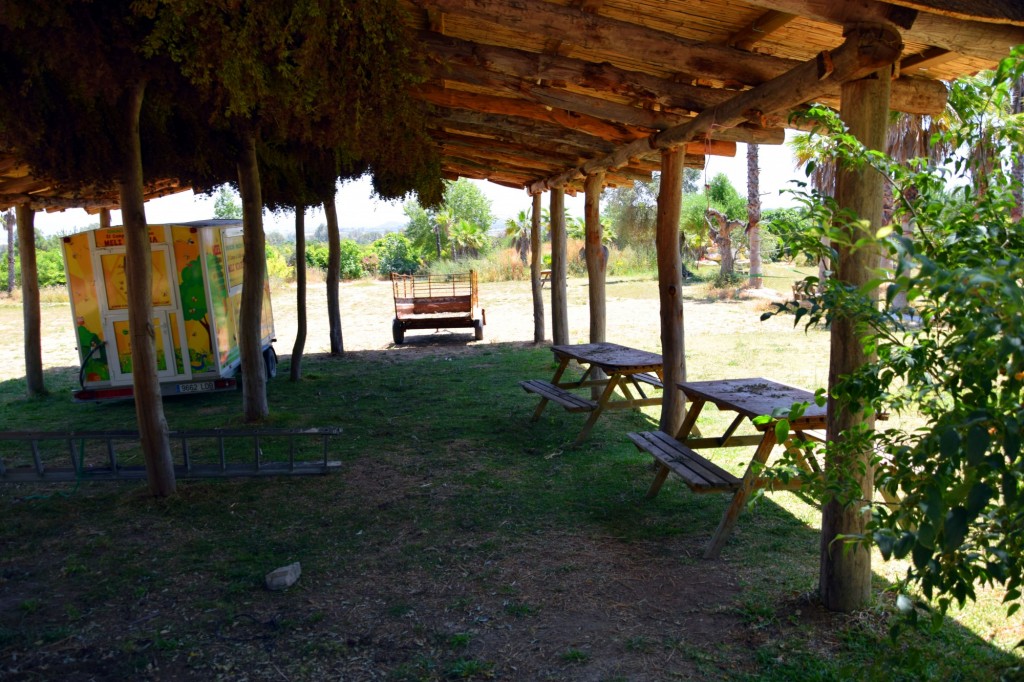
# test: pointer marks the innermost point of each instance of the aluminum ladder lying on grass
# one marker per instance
(117, 455)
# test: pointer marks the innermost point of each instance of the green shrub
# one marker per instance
(395, 253)
(351, 264)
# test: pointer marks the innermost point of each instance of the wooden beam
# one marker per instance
(559, 303)
(865, 50)
(513, 128)
(968, 37)
(648, 119)
(759, 29)
(591, 125)
(506, 106)
(933, 56)
(535, 269)
(527, 68)
(670, 288)
(689, 58)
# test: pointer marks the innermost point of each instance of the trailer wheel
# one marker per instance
(398, 332)
(478, 329)
(270, 360)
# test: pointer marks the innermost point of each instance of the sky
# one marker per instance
(358, 209)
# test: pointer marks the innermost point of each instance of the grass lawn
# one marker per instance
(458, 540)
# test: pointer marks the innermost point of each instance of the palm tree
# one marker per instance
(444, 220)
(467, 239)
(518, 231)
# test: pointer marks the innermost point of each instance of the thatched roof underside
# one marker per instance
(522, 92)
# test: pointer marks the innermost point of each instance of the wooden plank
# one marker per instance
(570, 401)
(699, 473)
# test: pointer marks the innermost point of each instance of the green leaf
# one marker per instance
(885, 543)
(921, 556)
(979, 496)
(949, 443)
(884, 231)
(954, 529)
(926, 536)
(1013, 609)
(977, 444)
(782, 430)
(904, 545)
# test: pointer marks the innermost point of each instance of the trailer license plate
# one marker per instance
(198, 387)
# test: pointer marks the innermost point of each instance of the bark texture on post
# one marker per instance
(559, 305)
(536, 265)
(670, 288)
(754, 215)
(597, 265)
(254, 264)
(149, 406)
(333, 272)
(30, 311)
(295, 369)
(597, 261)
(845, 580)
(10, 224)
(104, 218)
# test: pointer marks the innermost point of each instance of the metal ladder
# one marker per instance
(273, 452)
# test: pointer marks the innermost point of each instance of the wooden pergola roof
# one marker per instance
(536, 93)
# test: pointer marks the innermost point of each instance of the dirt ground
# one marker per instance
(611, 611)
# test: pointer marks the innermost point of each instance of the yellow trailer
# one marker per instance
(196, 296)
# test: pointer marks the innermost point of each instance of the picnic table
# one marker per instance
(625, 373)
(748, 398)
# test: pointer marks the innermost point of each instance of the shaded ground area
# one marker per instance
(458, 541)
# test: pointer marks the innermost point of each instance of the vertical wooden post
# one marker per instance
(597, 261)
(670, 288)
(295, 368)
(333, 273)
(754, 215)
(536, 265)
(845, 579)
(31, 314)
(559, 305)
(597, 264)
(104, 218)
(254, 266)
(149, 406)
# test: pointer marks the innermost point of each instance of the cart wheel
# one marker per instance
(397, 331)
(478, 330)
(270, 360)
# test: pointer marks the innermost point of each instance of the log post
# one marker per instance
(845, 579)
(149, 406)
(333, 274)
(597, 264)
(754, 215)
(670, 288)
(31, 314)
(295, 369)
(559, 306)
(536, 265)
(104, 218)
(254, 266)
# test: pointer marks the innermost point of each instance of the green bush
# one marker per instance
(351, 264)
(316, 255)
(395, 253)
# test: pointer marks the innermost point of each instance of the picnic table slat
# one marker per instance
(699, 473)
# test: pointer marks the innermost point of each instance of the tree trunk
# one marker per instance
(722, 235)
(333, 272)
(597, 264)
(670, 288)
(845, 580)
(9, 225)
(295, 370)
(34, 385)
(754, 215)
(559, 305)
(535, 268)
(254, 265)
(149, 406)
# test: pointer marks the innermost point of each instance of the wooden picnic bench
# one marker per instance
(623, 373)
(748, 398)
